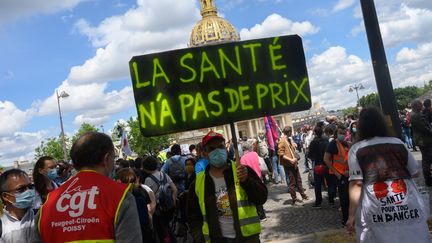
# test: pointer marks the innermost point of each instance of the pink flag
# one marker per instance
(271, 131)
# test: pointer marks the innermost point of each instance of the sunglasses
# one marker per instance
(23, 188)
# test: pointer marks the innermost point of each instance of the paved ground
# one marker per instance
(302, 223)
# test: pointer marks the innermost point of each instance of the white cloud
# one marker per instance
(12, 10)
(402, 21)
(278, 25)
(80, 119)
(413, 66)
(112, 103)
(332, 72)
(90, 100)
(19, 146)
(342, 5)
(12, 118)
(139, 31)
(414, 25)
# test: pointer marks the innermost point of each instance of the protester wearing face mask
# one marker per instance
(44, 174)
(63, 172)
(336, 159)
(17, 194)
(353, 131)
(221, 201)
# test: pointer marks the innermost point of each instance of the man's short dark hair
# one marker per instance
(176, 149)
(122, 163)
(427, 103)
(286, 130)
(90, 149)
(191, 147)
(318, 131)
(138, 163)
(5, 176)
(150, 163)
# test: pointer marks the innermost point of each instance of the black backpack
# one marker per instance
(164, 199)
(177, 170)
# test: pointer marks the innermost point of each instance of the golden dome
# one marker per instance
(212, 29)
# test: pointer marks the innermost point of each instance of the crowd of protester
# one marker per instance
(205, 195)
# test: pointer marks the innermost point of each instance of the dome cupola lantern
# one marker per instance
(212, 29)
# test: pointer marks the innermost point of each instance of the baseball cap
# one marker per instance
(210, 136)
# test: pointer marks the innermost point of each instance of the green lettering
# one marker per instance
(200, 106)
(184, 105)
(253, 56)
(261, 91)
(224, 59)
(138, 83)
(234, 98)
(300, 90)
(274, 57)
(158, 72)
(287, 93)
(183, 64)
(244, 98)
(145, 114)
(166, 112)
(207, 66)
(275, 94)
(215, 102)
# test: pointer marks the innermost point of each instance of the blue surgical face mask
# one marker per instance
(52, 174)
(218, 157)
(341, 137)
(354, 130)
(25, 199)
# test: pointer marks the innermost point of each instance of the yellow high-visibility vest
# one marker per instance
(247, 213)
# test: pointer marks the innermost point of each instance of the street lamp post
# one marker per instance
(356, 87)
(63, 94)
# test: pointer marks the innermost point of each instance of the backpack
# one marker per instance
(263, 151)
(177, 170)
(164, 200)
(142, 199)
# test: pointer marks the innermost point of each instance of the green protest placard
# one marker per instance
(207, 86)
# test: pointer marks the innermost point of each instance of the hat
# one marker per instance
(210, 136)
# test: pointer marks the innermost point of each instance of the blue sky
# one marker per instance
(83, 47)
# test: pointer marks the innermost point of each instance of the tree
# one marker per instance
(350, 111)
(145, 145)
(52, 147)
(85, 127)
(405, 95)
(370, 100)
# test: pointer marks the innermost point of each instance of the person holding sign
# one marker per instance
(222, 201)
(385, 204)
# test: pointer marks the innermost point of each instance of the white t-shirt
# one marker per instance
(390, 208)
(225, 214)
(18, 231)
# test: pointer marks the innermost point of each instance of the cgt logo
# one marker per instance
(74, 200)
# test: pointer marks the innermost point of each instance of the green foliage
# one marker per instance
(52, 147)
(145, 145)
(85, 127)
(370, 100)
(403, 96)
(406, 94)
(350, 111)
